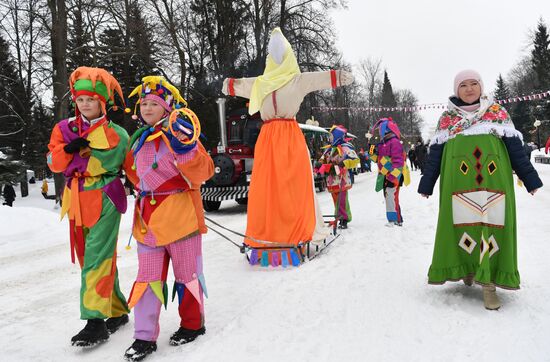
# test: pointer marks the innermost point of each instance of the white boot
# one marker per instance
(490, 298)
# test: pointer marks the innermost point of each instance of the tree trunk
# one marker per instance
(59, 74)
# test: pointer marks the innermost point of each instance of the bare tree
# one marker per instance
(370, 73)
(171, 14)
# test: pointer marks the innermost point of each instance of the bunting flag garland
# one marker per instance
(422, 107)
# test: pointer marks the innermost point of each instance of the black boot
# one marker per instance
(114, 323)
(183, 336)
(343, 224)
(139, 350)
(95, 332)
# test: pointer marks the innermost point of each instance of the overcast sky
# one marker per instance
(424, 43)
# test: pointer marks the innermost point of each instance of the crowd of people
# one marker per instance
(474, 152)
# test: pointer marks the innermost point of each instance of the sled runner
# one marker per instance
(281, 254)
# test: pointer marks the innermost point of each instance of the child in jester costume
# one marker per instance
(338, 158)
(167, 164)
(392, 168)
(89, 150)
(475, 150)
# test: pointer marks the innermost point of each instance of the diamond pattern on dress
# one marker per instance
(467, 243)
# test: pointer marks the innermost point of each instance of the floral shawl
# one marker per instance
(489, 118)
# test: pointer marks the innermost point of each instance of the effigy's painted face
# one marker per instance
(469, 91)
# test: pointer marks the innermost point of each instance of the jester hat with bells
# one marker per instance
(97, 83)
(386, 125)
(158, 89)
(280, 68)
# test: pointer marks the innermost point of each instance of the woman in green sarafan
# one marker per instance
(474, 151)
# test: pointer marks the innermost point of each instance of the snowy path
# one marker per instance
(365, 299)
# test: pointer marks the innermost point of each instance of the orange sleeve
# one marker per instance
(57, 158)
(131, 174)
(198, 169)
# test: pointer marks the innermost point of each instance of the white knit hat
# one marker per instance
(466, 75)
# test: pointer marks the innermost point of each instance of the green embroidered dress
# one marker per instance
(476, 230)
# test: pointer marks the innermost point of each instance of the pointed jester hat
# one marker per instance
(338, 134)
(97, 83)
(280, 68)
(386, 125)
(158, 89)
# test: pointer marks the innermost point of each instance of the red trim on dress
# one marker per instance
(231, 87)
(333, 78)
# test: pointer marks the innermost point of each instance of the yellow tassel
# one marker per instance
(128, 247)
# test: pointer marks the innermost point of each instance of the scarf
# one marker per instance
(276, 75)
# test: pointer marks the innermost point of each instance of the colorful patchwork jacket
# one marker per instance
(89, 175)
(336, 163)
(391, 159)
(167, 176)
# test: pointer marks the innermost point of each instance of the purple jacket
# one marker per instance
(392, 149)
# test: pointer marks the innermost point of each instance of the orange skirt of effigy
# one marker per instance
(281, 209)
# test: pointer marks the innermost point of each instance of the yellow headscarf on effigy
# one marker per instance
(275, 75)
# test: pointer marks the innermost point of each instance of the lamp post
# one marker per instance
(537, 125)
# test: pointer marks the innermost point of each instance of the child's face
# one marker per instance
(151, 111)
(90, 107)
(469, 91)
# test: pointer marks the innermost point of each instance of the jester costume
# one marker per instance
(93, 197)
(474, 153)
(338, 159)
(392, 168)
(282, 208)
(167, 172)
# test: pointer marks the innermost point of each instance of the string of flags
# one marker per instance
(421, 107)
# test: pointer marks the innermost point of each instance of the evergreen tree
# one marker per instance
(541, 57)
(388, 98)
(521, 116)
(12, 106)
(11, 170)
(502, 91)
(36, 141)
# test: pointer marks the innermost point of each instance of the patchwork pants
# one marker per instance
(150, 290)
(341, 205)
(393, 209)
(100, 295)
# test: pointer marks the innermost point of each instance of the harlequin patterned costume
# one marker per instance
(282, 207)
(475, 153)
(168, 218)
(392, 169)
(94, 196)
(338, 159)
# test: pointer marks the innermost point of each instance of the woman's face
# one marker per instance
(469, 91)
(151, 111)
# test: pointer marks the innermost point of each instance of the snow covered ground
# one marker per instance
(364, 299)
